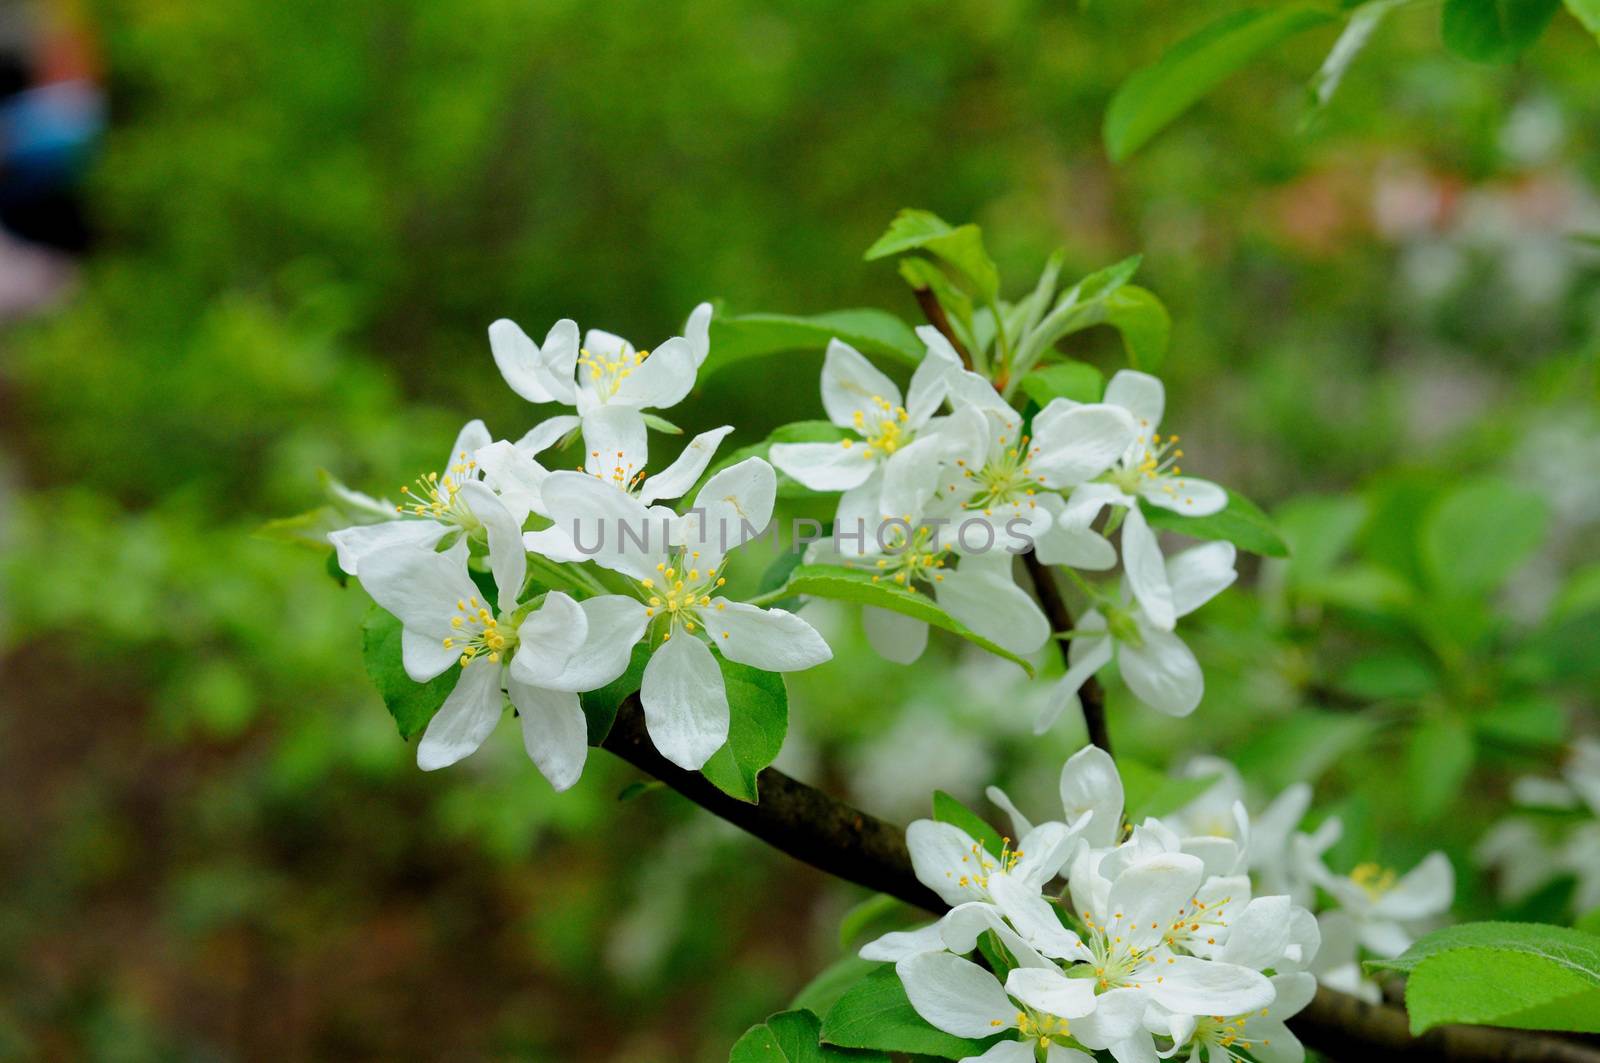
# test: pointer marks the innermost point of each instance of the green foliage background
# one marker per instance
(213, 843)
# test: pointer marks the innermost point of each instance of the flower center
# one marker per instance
(1150, 458)
(912, 558)
(1226, 1035)
(439, 497)
(1123, 627)
(1375, 879)
(680, 594)
(1037, 1025)
(1116, 959)
(1005, 479)
(888, 431)
(479, 632)
(606, 374)
(977, 866)
(621, 474)
(1199, 922)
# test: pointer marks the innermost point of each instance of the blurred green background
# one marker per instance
(304, 216)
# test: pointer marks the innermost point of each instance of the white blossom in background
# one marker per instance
(1526, 854)
(1388, 910)
(674, 565)
(1152, 951)
(605, 379)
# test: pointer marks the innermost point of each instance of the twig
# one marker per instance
(832, 836)
(936, 317)
(1091, 696)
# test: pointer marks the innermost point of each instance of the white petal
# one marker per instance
(1036, 921)
(663, 379)
(425, 656)
(1150, 892)
(956, 995)
(473, 436)
(697, 330)
(515, 476)
(1002, 800)
(965, 923)
(1090, 783)
(1061, 1054)
(1141, 395)
(614, 623)
(894, 636)
(1077, 443)
(910, 477)
(1052, 992)
(465, 719)
(733, 507)
(929, 385)
(547, 433)
(1070, 543)
(1162, 673)
(824, 466)
(1259, 935)
(983, 595)
(1118, 1016)
(898, 944)
(614, 444)
(508, 559)
(941, 855)
(1384, 937)
(770, 639)
(1042, 851)
(851, 385)
(421, 588)
(352, 544)
(548, 639)
(553, 732)
(606, 525)
(678, 477)
(537, 375)
(1012, 1051)
(1146, 570)
(685, 702)
(1087, 655)
(1199, 574)
(860, 517)
(1423, 892)
(608, 345)
(555, 544)
(1185, 494)
(1207, 987)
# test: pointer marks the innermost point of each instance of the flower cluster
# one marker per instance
(940, 490)
(493, 510)
(1555, 835)
(1372, 910)
(1157, 946)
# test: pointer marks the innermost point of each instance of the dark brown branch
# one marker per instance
(1091, 695)
(830, 835)
(936, 317)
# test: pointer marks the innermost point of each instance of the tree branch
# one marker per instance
(1091, 696)
(832, 836)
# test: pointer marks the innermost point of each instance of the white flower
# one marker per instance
(674, 564)
(1156, 665)
(625, 474)
(434, 507)
(606, 380)
(1265, 837)
(862, 400)
(1147, 470)
(1389, 911)
(540, 658)
(1338, 962)
(963, 999)
(1525, 854)
(1262, 1033)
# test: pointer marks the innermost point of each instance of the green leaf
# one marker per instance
(412, 704)
(638, 788)
(1524, 975)
(1145, 325)
(872, 332)
(600, 706)
(1477, 534)
(1529, 721)
(758, 706)
(1364, 21)
(1148, 792)
(875, 1013)
(1588, 13)
(1494, 31)
(1240, 522)
(661, 424)
(1301, 746)
(309, 529)
(792, 1037)
(878, 914)
(1437, 764)
(1078, 381)
(853, 585)
(823, 992)
(961, 247)
(1590, 923)
(947, 809)
(1319, 530)
(1104, 298)
(1154, 96)
(1388, 672)
(923, 275)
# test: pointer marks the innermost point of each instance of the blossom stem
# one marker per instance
(1091, 696)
